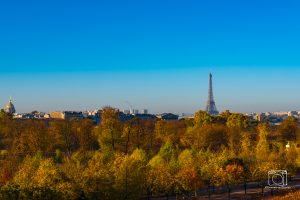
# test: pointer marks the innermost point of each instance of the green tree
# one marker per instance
(202, 118)
(167, 151)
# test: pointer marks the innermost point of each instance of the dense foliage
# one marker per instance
(139, 158)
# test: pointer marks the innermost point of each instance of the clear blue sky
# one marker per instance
(78, 55)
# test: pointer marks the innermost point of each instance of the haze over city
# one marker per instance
(74, 56)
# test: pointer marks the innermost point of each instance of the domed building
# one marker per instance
(10, 108)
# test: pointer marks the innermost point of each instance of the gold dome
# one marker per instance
(10, 108)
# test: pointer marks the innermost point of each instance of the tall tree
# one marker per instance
(84, 132)
(110, 129)
(289, 129)
(129, 172)
(64, 135)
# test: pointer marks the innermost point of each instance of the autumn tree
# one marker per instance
(33, 136)
(247, 155)
(150, 144)
(130, 175)
(167, 130)
(231, 174)
(162, 169)
(236, 124)
(6, 129)
(260, 171)
(289, 129)
(110, 129)
(202, 118)
(97, 177)
(211, 163)
(39, 178)
(263, 145)
(188, 176)
(213, 137)
(64, 135)
(205, 132)
(84, 132)
(127, 133)
(160, 179)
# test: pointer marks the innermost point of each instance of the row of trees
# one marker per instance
(139, 158)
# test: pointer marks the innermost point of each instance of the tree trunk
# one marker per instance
(112, 141)
(126, 182)
(148, 193)
(127, 142)
(195, 190)
(229, 191)
(262, 189)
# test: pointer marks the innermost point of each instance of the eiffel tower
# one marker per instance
(211, 105)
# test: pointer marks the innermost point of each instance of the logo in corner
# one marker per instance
(277, 178)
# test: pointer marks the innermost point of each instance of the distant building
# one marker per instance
(71, 115)
(126, 112)
(10, 108)
(134, 111)
(47, 116)
(281, 114)
(125, 117)
(38, 115)
(67, 115)
(145, 116)
(186, 116)
(168, 117)
(85, 114)
(23, 116)
(57, 115)
(94, 116)
(261, 117)
(144, 111)
(32, 115)
(293, 113)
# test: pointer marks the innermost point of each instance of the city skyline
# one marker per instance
(225, 89)
(70, 55)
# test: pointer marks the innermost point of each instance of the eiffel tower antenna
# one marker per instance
(211, 105)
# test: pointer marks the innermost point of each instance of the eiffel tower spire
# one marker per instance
(211, 105)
